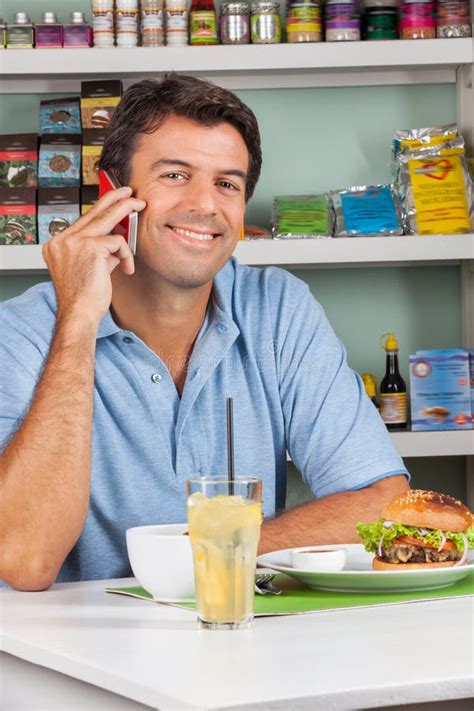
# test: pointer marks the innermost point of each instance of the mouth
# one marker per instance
(193, 234)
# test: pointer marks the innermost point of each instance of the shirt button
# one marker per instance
(156, 377)
(195, 373)
(127, 339)
(222, 327)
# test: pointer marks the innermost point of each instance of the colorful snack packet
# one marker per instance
(435, 189)
(301, 216)
(366, 211)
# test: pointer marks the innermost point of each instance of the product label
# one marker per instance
(127, 20)
(152, 20)
(439, 195)
(393, 408)
(177, 20)
(413, 144)
(102, 20)
(203, 27)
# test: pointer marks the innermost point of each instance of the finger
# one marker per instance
(103, 203)
(106, 221)
(118, 253)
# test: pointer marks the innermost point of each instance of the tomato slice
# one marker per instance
(448, 546)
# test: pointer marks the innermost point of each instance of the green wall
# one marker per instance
(315, 140)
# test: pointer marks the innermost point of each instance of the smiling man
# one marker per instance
(114, 376)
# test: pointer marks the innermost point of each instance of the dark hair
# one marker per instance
(147, 104)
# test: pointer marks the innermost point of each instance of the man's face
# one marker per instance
(193, 179)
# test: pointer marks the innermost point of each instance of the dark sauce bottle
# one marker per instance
(393, 389)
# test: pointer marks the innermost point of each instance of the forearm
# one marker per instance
(45, 469)
(330, 520)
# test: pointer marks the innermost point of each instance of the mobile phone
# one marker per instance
(128, 227)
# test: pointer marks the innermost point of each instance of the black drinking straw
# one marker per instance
(230, 445)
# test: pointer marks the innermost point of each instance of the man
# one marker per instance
(114, 378)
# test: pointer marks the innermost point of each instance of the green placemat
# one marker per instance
(296, 599)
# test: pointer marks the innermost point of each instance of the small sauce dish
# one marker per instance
(318, 559)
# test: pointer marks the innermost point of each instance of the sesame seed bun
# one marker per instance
(379, 564)
(429, 509)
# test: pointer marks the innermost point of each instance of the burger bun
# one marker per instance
(379, 564)
(429, 509)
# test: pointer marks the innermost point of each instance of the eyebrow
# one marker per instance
(177, 161)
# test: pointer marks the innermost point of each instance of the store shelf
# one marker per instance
(307, 253)
(248, 66)
(434, 444)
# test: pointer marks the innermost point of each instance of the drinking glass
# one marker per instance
(224, 520)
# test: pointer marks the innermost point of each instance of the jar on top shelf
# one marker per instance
(342, 21)
(234, 23)
(453, 18)
(303, 22)
(265, 22)
(417, 20)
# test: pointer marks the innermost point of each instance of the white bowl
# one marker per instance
(320, 559)
(162, 561)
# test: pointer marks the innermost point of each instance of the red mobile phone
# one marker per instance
(128, 227)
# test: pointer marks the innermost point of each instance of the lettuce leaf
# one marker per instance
(371, 533)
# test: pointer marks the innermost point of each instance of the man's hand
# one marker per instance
(82, 258)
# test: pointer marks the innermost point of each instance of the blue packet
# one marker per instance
(366, 211)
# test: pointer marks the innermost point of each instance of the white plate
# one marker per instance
(358, 576)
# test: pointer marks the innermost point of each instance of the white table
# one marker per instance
(76, 647)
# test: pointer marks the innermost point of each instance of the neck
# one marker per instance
(165, 316)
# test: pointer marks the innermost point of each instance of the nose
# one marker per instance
(201, 196)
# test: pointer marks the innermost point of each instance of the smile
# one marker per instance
(202, 236)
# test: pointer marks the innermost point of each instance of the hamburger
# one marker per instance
(419, 529)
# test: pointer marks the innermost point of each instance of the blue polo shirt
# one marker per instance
(266, 343)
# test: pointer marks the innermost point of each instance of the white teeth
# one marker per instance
(194, 235)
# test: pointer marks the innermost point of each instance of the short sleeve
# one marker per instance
(335, 435)
(21, 359)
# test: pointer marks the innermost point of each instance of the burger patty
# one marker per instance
(408, 553)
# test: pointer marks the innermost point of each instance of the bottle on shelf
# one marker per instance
(202, 22)
(103, 23)
(49, 32)
(77, 33)
(393, 390)
(126, 23)
(152, 23)
(370, 385)
(176, 23)
(20, 33)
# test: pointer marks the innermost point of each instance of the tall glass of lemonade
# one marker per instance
(224, 519)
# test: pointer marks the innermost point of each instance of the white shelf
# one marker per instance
(434, 444)
(307, 253)
(248, 66)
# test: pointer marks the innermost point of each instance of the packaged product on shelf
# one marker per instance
(342, 21)
(380, 19)
(77, 33)
(58, 208)
(301, 216)
(49, 32)
(417, 19)
(435, 189)
(126, 23)
(59, 161)
(103, 23)
(92, 144)
(89, 197)
(98, 102)
(20, 34)
(234, 23)
(202, 22)
(256, 232)
(265, 22)
(453, 18)
(19, 160)
(60, 115)
(303, 22)
(413, 138)
(176, 23)
(440, 390)
(151, 26)
(3, 33)
(366, 211)
(17, 215)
